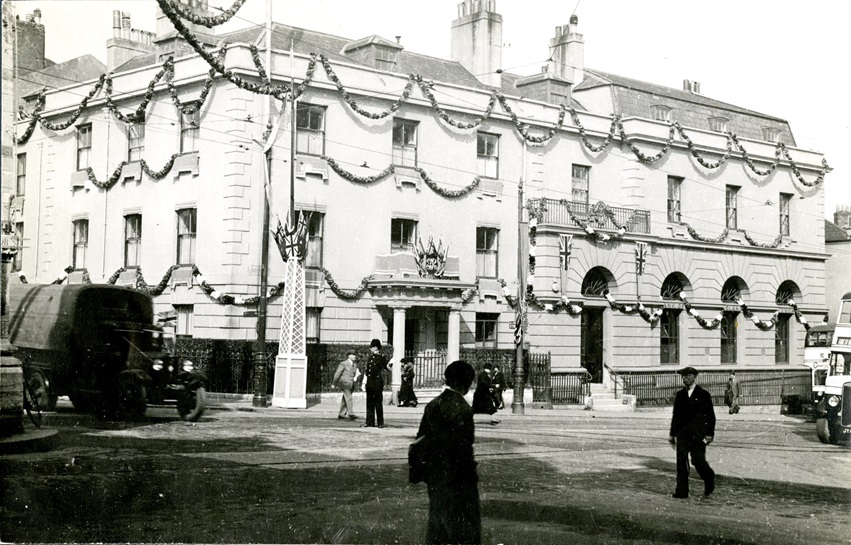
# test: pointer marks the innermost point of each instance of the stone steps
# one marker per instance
(602, 400)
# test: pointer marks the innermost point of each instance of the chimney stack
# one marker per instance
(476, 41)
(37, 16)
(126, 42)
(567, 58)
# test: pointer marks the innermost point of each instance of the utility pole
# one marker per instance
(259, 356)
(517, 404)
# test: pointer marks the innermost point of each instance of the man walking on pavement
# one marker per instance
(344, 379)
(375, 365)
(692, 429)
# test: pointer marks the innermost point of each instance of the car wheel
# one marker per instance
(823, 430)
(41, 390)
(131, 398)
(191, 403)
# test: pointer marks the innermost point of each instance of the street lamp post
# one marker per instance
(517, 404)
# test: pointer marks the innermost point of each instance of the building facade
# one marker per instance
(681, 230)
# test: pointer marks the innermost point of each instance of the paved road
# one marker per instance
(305, 477)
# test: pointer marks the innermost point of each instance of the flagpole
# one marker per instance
(259, 356)
(292, 134)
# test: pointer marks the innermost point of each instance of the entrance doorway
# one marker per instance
(592, 342)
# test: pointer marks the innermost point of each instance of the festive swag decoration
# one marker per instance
(801, 319)
(706, 324)
(726, 233)
(163, 172)
(646, 159)
(208, 22)
(347, 295)
(533, 250)
(425, 89)
(138, 115)
(584, 136)
(34, 117)
(779, 149)
(22, 277)
(353, 104)
(448, 193)
(596, 214)
(77, 112)
(225, 299)
(191, 108)
(59, 279)
(430, 259)
(650, 317)
(345, 174)
(763, 325)
(523, 128)
(701, 160)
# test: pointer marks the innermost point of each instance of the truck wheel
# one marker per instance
(823, 430)
(191, 403)
(130, 398)
(41, 390)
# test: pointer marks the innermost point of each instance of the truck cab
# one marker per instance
(833, 411)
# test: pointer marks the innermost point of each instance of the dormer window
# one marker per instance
(661, 113)
(718, 124)
(374, 51)
(771, 134)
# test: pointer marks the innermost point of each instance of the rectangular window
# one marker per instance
(732, 207)
(385, 59)
(487, 252)
(579, 184)
(487, 155)
(404, 143)
(84, 146)
(669, 337)
(486, 328)
(315, 229)
(186, 230)
(403, 232)
(189, 130)
(132, 240)
(785, 206)
(728, 337)
(674, 206)
(18, 262)
(183, 326)
(661, 113)
(313, 319)
(135, 142)
(21, 184)
(81, 243)
(310, 129)
(781, 339)
(718, 124)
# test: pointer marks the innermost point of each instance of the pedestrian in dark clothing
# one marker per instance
(732, 393)
(407, 397)
(483, 397)
(498, 380)
(447, 428)
(692, 429)
(375, 365)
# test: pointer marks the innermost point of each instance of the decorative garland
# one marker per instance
(523, 129)
(700, 159)
(583, 135)
(138, 116)
(533, 250)
(346, 294)
(355, 178)
(208, 22)
(646, 159)
(76, 113)
(191, 108)
(158, 289)
(599, 208)
(763, 325)
(225, 299)
(59, 279)
(649, 317)
(22, 277)
(163, 172)
(41, 101)
(425, 89)
(712, 324)
(726, 233)
(803, 319)
(448, 193)
(354, 105)
(111, 180)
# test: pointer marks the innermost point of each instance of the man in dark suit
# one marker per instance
(447, 428)
(375, 365)
(692, 429)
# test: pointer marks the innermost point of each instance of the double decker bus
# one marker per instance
(816, 356)
(833, 412)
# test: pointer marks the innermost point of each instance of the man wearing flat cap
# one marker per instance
(692, 429)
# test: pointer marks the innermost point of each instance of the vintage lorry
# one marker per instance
(98, 345)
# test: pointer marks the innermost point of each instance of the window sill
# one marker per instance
(186, 163)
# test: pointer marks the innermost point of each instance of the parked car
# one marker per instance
(98, 344)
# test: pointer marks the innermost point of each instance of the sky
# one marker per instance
(784, 58)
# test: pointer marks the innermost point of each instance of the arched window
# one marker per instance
(787, 291)
(595, 284)
(671, 288)
(731, 291)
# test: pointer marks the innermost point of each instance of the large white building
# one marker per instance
(393, 148)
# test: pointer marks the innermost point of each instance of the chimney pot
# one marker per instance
(686, 85)
(558, 31)
(398, 39)
(574, 20)
(696, 87)
(37, 15)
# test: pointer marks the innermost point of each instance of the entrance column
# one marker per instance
(453, 345)
(398, 351)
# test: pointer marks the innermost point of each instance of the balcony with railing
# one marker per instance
(597, 216)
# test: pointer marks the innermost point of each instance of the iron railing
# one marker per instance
(569, 388)
(428, 368)
(759, 387)
(599, 216)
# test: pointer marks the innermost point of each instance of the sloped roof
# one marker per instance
(834, 233)
(633, 97)
(77, 70)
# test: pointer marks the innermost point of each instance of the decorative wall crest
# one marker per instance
(431, 259)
